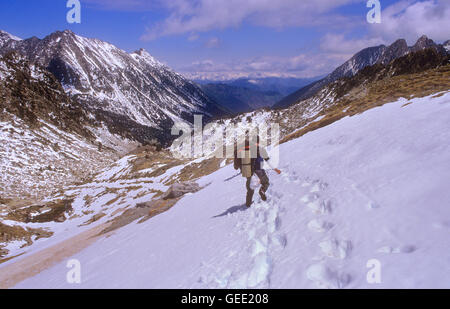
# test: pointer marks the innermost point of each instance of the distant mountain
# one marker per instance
(241, 99)
(246, 94)
(369, 56)
(236, 99)
(118, 86)
(282, 85)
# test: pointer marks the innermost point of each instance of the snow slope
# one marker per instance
(372, 186)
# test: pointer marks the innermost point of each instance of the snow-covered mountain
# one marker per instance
(367, 57)
(72, 105)
(47, 140)
(107, 79)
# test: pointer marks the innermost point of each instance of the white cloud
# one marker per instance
(303, 65)
(406, 19)
(338, 44)
(187, 16)
(412, 19)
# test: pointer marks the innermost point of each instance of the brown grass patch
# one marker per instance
(17, 233)
(195, 170)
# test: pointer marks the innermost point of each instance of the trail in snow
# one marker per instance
(260, 226)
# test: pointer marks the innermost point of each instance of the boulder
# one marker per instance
(179, 189)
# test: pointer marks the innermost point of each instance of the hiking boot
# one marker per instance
(263, 195)
(249, 199)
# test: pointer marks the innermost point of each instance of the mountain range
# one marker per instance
(369, 56)
(130, 88)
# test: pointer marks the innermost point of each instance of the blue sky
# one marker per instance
(231, 38)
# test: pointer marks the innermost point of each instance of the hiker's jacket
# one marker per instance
(254, 163)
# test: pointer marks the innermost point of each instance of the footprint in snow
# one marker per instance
(320, 207)
(372, 206)
(320, 226)
(402, 249)
(327, 278)
(441, 225)
(260, 272)
(291, 177)
(337, 249)
(279, 240)
(318, 186)
(306, 184)
(310, 197)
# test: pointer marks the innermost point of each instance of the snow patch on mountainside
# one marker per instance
(5, 37)
(34, 161)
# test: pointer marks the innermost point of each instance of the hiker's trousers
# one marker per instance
(264, 183)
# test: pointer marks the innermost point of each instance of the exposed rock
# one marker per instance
(60, 219)
(3, 252)
(179, 189)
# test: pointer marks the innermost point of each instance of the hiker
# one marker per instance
(250, 164)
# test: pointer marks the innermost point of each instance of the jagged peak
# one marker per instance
(144, 54)
(423, 42)
(9, 35)
(423, 38)
(370, 49)
(59, 34)
(399, 42)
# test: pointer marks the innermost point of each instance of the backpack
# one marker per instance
(247, 164)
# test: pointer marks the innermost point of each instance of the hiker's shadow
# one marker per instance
(232, 210)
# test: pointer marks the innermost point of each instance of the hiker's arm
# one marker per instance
(264, 154)
(237, 163)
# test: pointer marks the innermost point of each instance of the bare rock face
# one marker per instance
(446, 46)
(398, 49)
(179, 189)
(422, 43)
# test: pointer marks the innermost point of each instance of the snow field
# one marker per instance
(372, 186)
